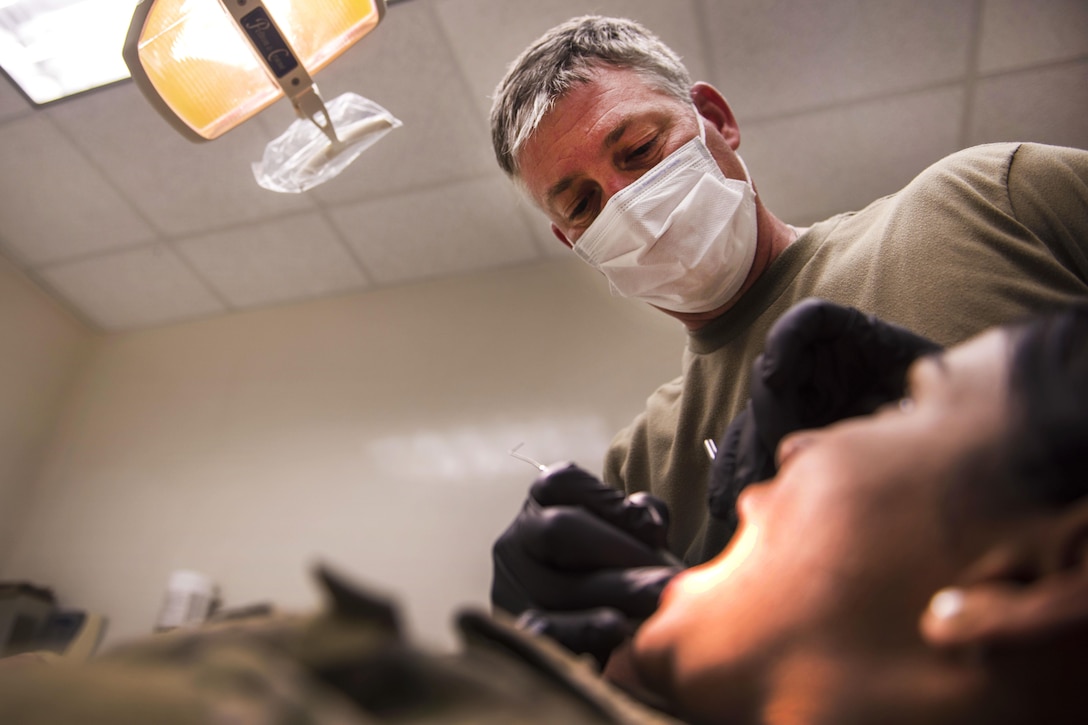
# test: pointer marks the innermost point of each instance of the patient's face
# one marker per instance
(837, 557)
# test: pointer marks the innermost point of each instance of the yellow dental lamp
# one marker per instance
(209, 65)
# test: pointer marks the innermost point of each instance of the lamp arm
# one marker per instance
(280, 61)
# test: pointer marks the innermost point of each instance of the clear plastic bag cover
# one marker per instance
(303, 156)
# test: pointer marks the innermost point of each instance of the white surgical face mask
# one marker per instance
(682, 237)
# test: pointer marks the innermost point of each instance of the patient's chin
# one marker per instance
(648, 657)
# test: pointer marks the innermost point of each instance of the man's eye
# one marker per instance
(581, 213)
(642, 151)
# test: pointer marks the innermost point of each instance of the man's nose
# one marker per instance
(613, 182)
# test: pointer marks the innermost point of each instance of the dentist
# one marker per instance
(638, 170)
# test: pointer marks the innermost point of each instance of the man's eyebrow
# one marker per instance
(617, 133)
(558, 188)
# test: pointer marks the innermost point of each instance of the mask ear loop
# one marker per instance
(702, 138)
(699, 123)
(747, 176)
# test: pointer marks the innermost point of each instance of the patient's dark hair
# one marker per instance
(1045, 456)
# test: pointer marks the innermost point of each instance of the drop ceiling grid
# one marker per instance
(131, 226)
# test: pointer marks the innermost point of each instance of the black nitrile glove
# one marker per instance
(595, 632)
(821, 363)
(579, 546)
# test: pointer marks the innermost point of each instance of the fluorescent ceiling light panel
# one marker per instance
(56, 48)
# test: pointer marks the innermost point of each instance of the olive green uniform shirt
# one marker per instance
(983, 237)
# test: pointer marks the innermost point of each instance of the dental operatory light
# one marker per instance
(52, 49)
(208, 66)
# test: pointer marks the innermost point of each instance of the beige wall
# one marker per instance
(369, 431)
(41, 349)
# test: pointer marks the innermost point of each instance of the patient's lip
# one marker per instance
(790, 445)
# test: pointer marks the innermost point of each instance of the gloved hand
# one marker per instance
(596, 632)
(584, 560)
(821, 363)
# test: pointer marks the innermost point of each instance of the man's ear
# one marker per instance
(561, 236)
(712, 106)
(1032, 588)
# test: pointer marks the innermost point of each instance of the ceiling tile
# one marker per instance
(451, 230)
(293, 258)
(406, 67)
(1019, 33)
(1047, 105)
(811, 166)
(487, 35)
(181, 186)
(138, 288)
(54, 203)
(788, 55)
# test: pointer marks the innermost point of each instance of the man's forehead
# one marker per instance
(608, 93)
(584, 124)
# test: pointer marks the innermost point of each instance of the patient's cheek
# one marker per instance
(650, 654)
(621, 669)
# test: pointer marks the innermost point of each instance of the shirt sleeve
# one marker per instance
(1048, 193)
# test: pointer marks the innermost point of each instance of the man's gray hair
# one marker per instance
(565, 56)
